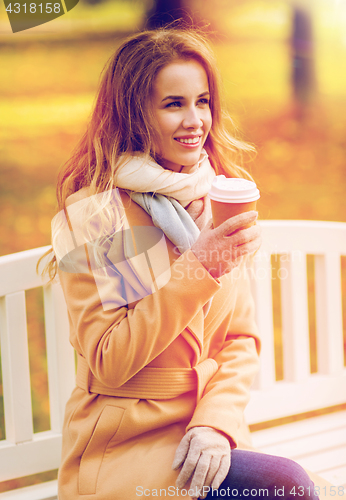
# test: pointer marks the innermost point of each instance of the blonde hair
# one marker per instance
(122, 122)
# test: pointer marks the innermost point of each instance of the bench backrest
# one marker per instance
(25, 452)
(289, 246)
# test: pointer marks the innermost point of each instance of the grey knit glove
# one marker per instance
(204, 455)
(222, 248)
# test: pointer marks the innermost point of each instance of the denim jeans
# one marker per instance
(256, 475)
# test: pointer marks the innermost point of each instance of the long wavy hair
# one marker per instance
(122, 121)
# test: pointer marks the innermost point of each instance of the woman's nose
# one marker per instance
(192, 119)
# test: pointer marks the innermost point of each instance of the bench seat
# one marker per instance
(317, 443)
(44, 491)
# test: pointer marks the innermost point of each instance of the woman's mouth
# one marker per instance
(188, 141)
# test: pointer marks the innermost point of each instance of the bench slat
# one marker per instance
(262, 292)
(285, 398)
(299, 447)
(329, 328)
(18, 271)
(41, 454)
(15, 368)
(312, 237)
(300, 429)
(324, 459)
(60, 355)
(295, 321)
(44, 491)
(336, 476)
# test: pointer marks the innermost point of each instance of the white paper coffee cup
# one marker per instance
(231, 196)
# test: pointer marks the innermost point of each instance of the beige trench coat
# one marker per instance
(151, 369)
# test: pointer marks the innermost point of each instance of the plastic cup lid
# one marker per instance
(233, 190)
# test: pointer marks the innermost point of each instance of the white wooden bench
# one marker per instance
(318, 442)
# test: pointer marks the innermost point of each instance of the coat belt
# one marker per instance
(151, 383)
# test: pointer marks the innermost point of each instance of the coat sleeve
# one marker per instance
(228, 391)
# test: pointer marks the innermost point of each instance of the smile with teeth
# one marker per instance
(193, 140)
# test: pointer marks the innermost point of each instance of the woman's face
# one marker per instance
(181, 109)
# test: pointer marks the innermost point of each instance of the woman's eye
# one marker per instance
(174, 104)
(204, 101)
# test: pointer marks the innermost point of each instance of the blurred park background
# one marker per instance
(283, 64)
(49, 75)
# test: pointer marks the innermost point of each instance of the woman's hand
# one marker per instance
(221, 249)
(204, 454)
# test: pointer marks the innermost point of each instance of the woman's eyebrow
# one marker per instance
(177, 97)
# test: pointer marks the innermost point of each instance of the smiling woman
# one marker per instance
(164, 330)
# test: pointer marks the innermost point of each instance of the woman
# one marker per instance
(163, 326)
